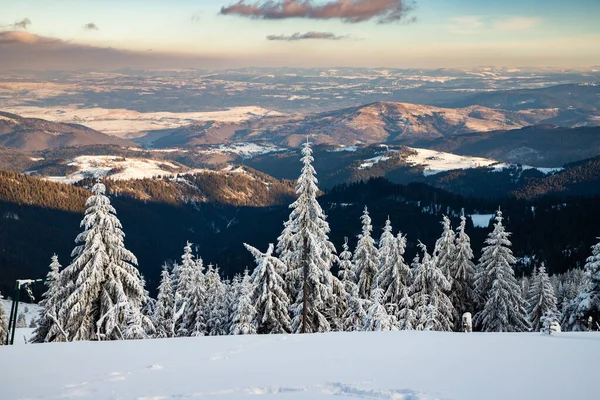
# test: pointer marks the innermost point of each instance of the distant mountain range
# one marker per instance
(32, 134)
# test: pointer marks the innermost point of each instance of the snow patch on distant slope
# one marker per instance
(437, 161)
(246, 150)
(125, 168)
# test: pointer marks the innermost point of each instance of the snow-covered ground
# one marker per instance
(360, 365)
(437, 161)
(128, 123)
(128, 168)
(246, 150)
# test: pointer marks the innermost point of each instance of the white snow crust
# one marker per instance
(359, 365)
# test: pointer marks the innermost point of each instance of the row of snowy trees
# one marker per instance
(101, 295)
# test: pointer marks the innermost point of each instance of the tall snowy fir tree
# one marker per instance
(462, 272)
(366, 258)
(445, 249)
(268, 295)
(165, 306)
(542, 301)
(287, 251)
(190, 293)
(587, 303)
(313, 254)
(104, 289)
(346, 270)
(3, 322)
(49, 304)
(243, 321)
(216, 308)
(407, 317)
(429, 292)
(504, 307)
(377, 317)
(393, 273)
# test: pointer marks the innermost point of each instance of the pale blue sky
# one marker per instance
(447, 32)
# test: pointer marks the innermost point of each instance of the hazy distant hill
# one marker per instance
(543, 145)
(381, 122)
(32, 134)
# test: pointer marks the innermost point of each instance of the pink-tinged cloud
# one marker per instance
(307, 36)
(90, 26)
(353, 11)
(24, 50)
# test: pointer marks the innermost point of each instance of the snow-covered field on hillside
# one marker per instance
(361, 365)
(128, 123)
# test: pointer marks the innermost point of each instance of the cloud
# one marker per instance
(307, 35)
(471, 24)
(90, 26)
(515, 24)
(352, 11)
(24, 50)
(22, 24)
(197, 16)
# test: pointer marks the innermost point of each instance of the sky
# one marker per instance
(71, 34)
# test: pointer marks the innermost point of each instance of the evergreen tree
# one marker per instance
(244, 315)
(3, 322)
(429, 290)
(103, 289)
(268, 296)
(165, 306)
(366, 258)
(216, 312)
(288, 255)
(346, 270)
(354, 317)
(587, 303)
(462, 271)
(313, 254)
(21, 321)
(504, 308)
(543, 300)
(48, 304)
(377, 318)
(407, 317)
(190, 295)
(445, 249)
(393, 273)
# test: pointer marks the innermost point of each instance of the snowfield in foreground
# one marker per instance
(362, 365)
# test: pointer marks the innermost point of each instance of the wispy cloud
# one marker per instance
(307, 36)
(471, 24)
(90, 26)
(352, 11)
(22, 24)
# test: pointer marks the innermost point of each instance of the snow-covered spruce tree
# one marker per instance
(268, 293)
(407, 317)
(531, 289)
(48, 304)
(313, 252)
(504, 307)
(543, 300)
(233, 296)
(587, 302)
(190, 295)
(445, 249)
(393, 273)
(3, 322)
(243, 321)
(216, 312)
(378, 318)
(429, 289)
(288, 255)
(366, 258)
(462, 271)
(346, 270)
(550, 322)
(165, 306)
(21, 320)
(103, 287)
